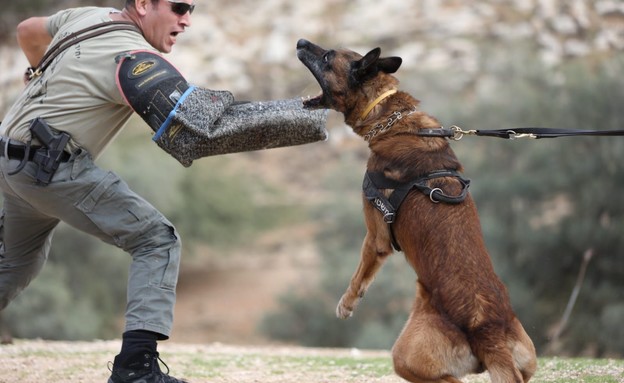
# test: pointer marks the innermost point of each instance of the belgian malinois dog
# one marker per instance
(462, 321)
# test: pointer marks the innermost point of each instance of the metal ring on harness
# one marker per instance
(431, 194)
(388, 218)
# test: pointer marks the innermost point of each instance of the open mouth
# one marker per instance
(314, 102)
(319, 101)
(311, 61)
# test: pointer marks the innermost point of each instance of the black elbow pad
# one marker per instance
(150, 85)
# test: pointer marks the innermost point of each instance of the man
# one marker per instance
(77, 95)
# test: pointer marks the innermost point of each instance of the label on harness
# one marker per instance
(388, 214)
(378, 200)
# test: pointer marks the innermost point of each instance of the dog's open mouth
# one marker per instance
(321, 100)
(313, 102)
(311, 61)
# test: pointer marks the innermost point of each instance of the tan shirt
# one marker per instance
(78, 92)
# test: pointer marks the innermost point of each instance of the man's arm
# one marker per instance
(33, 38)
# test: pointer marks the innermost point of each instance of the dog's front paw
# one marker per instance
(343, 310)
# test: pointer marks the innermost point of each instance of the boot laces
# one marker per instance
(155, 368)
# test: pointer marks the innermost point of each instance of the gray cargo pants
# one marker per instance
(99, 203)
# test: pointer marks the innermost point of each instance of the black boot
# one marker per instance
(138, 361)
(143, 369)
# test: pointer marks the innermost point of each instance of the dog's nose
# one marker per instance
(302, 43)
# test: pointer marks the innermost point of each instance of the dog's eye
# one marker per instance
(327, 56)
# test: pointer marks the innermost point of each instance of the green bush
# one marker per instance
(79, 294)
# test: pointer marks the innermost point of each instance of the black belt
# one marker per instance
(18, 151)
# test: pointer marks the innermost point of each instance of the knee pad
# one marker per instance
(191, 122)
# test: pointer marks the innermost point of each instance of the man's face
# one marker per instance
(164, 21)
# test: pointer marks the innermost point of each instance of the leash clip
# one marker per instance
(458, 133)
(513, 135)
(32, 73)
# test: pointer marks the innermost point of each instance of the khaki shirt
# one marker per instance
(78, 92)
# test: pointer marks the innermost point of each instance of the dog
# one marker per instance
(462, 321)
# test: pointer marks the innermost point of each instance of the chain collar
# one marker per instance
(393, 119)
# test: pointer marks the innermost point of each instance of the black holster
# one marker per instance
(49, 155)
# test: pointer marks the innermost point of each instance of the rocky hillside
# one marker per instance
(247, 46)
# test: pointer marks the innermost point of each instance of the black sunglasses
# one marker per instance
(180, 8)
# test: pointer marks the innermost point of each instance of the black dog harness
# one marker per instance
(375, 181)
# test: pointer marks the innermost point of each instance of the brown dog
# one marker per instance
(462, 321)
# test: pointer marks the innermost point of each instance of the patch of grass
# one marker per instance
(222, 365)
(563, 370)
(60, 362)
(372, 366)
(348, 368)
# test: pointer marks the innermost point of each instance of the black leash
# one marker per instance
(456, 133)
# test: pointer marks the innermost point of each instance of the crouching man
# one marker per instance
(92, 68)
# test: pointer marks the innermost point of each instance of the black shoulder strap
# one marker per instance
(436, 195)
(373, 181)
(370, 187)
(78, 36)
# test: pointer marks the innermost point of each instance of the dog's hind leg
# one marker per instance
(430, 349)
(522, 350)
(493, 344)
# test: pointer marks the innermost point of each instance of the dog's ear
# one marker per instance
(389, 64)
(369, 65)
(369, 59)
(366, 66)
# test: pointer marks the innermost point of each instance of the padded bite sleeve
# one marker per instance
(242, 127)
(191, 122)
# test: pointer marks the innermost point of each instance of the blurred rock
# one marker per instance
(248, 47)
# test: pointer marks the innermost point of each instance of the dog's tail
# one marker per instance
(489, 343)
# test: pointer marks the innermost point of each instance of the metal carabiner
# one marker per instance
(458, 133)
(513, 135)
